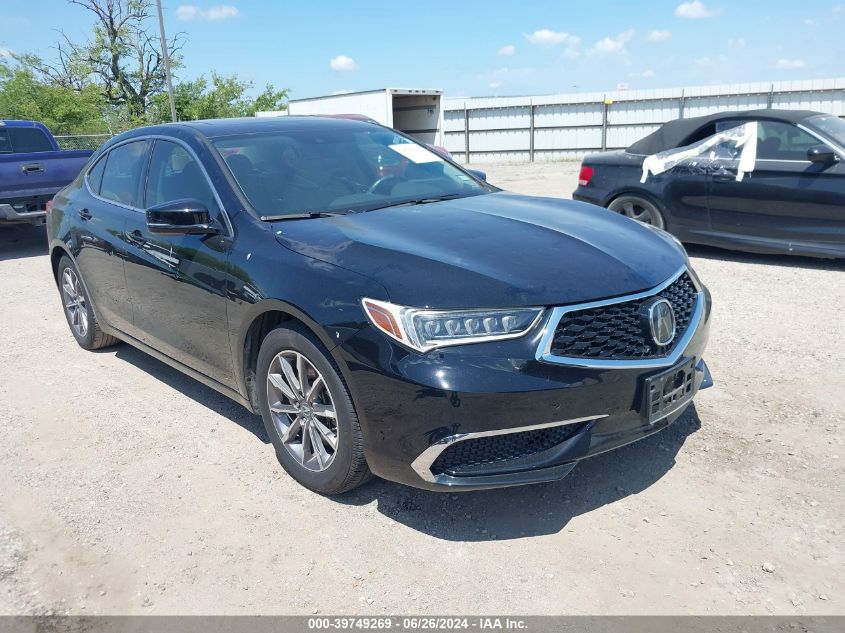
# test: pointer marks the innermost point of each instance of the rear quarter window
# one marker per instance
(122, 174)
(95, 175)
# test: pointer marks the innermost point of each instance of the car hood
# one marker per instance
(492, 250)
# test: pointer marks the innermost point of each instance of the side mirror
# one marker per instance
(481, 175)
(821, 154)
(180, 217)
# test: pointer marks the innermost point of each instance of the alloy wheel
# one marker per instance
(639, 210)
(74, 300)
(302, 410)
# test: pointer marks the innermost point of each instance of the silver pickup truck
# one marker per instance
(32, 170)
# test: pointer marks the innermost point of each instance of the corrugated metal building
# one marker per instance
(566, 126)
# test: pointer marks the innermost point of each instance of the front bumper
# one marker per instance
(412, 406)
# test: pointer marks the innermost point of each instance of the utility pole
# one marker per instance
(166, 56)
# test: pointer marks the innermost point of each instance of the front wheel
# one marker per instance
(639, 209)
(308, 413)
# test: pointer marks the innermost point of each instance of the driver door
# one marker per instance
(787, 198)
(177, 283)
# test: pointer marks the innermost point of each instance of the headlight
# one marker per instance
(426, 329)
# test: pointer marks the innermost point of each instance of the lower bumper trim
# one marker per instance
(422, 464)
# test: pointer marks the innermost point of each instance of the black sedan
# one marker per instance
(768, 181)
(382, 308)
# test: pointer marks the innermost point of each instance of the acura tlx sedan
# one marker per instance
(385, 310)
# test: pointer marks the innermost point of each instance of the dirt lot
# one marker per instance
(128, 488)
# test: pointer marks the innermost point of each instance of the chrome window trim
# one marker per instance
(544, 353)
(170, 139)
(422, 464)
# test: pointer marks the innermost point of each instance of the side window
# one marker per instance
(26, 140)
(122, 173)
(783, 141)
(95, 174)
(176, 175)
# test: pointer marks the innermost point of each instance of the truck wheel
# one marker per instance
(639, 209)
(78, 311)
(308, 413)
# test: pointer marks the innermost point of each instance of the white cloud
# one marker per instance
(647, 74)
(343, 64)
(495, 84)
(789, 64)
(609, 45)
(6, 52)
(694, 10)
(546, 37)
(810, 22)
(737, 43)
(189, 12)
(507, 51)
(659, 35)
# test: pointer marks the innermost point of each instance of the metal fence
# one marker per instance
(561, 127)
(82, 141)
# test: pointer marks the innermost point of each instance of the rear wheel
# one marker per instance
(639, 209)
(308, 413)
(78, 311)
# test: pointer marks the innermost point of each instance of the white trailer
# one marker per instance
(417, 113)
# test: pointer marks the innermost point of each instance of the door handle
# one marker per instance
(137, 237)
(32, 168)
(85, 214)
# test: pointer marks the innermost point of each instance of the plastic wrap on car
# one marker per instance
(736, 143)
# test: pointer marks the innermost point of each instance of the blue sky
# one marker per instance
(469, 47)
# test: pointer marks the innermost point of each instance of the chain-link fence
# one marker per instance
(82, 141)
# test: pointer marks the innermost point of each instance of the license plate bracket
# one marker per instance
(668, 391)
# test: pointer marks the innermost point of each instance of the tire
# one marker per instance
(78, 310)
(640, 209)
(301, 427)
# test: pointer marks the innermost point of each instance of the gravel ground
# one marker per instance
(127, 488)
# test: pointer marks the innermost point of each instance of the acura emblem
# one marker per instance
(660, 320)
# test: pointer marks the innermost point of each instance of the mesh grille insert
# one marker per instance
(492, 450)
(616, 331)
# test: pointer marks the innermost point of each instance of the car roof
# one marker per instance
(17, 123)
(681, 131)
(213, 128)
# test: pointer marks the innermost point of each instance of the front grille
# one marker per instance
(468, 455)
(616, 331)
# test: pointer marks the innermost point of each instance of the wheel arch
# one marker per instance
(56, 253)
(262, 318)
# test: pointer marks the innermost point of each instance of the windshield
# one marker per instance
(339, 170)
(831, 126)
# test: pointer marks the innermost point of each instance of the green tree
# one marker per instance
(123, 56)
(222, 97)
(63, 109)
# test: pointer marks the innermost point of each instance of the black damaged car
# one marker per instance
(384, 310)
(764, 181)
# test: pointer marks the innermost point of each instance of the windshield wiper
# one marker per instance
(415, 201)
(301, 216)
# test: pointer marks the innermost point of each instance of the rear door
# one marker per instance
(786, 199)
(178, 283)
(102, 207)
